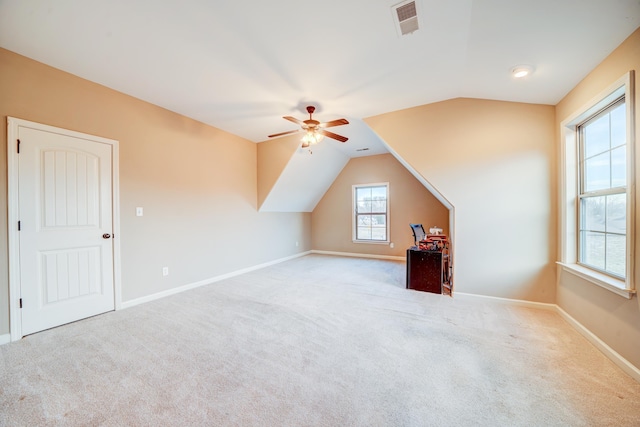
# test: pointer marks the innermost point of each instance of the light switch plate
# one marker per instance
(139, 212)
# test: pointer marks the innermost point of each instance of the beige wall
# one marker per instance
(197, 184)
(495, 162)
(614, 319)
(409, 202)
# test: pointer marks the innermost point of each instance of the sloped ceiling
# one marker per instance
(310, 172)
(305, 179)
(241, 66)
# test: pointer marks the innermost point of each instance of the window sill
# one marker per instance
(372, 242)
(616, 286)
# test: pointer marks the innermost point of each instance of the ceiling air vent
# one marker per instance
(405, 16)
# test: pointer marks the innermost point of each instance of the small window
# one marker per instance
(602, 207)
(371, 213)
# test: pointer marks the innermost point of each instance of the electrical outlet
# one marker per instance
(165, 271)
(297, 244)
(391, 245)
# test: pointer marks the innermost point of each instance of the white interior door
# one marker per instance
(66, 228)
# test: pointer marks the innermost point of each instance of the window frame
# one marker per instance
(583, 193)
(354, 214)
(571, 187)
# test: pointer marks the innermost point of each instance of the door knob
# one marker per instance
(106, 236)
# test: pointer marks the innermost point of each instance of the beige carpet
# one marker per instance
(316, 341)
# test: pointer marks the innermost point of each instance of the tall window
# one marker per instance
(597, 181)
(371, 212)
(602, 208)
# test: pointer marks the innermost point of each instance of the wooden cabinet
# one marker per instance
(428, 271)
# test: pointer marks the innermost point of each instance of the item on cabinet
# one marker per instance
(435, 230)
(434, 242)
(418, 233)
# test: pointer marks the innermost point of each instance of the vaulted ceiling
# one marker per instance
(241, 66)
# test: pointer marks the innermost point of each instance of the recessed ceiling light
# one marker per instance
(521, 71)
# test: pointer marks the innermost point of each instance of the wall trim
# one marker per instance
(509, 301)
(614, 356)
(357, 255)
(626, 366)
(5, 339)
(183, 288)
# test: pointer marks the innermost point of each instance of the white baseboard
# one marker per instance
(5, 339)
(610, 353)
(613, 355)
(516, 302)
(356, 255)
(173, 291)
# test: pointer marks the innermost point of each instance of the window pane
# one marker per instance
(364, 220)
(619, 167)
(596, 136)
(379, 206)
(363, 193)
(379, 193)
(363, 199)
(597, 173)
(364, 233)
(379, 233)
(618, 126)
(379, 220)
(364, 206)
(379, 227)
(592, 249)
(617, 213)
(593, 213)
(616, 254)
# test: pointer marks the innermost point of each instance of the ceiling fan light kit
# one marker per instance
(314, 131)
(311, 138)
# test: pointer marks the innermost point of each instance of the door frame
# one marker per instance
(13, 125)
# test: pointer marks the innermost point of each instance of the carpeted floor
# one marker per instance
(315, 341)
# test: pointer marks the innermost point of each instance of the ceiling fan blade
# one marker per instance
(332, 123)
(294, 120)
(284, 133)
(333, 135)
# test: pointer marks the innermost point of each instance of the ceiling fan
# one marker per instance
(314, 129)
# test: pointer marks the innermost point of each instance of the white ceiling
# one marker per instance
(240, 66)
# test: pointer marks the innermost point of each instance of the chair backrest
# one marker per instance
(418, 232)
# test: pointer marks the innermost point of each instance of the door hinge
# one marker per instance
(18, 146)
(19, 226)
(20, 302)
